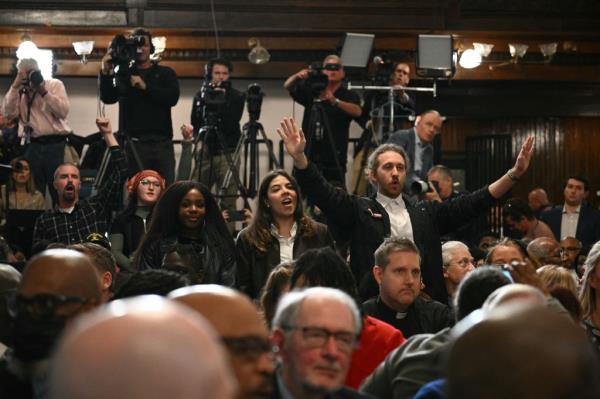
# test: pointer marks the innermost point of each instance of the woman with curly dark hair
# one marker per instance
(187, 218)
(279, 232)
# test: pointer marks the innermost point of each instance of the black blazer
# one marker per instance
(588, 224)
(367, 224)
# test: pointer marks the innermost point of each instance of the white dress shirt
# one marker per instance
(400, 224)
(286, 244)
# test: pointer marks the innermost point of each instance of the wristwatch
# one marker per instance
(337, 102)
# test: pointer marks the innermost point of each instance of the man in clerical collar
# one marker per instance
(398, 273)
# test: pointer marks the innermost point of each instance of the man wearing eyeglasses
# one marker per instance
(315, 332)
(339, 106)
(236, 320)
(457, 263)
(57, 286)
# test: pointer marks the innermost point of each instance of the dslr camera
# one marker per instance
(421, 187)
(34, 78)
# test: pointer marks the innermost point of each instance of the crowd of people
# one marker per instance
(392, 295)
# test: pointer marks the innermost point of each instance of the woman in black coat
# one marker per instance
(280, 231)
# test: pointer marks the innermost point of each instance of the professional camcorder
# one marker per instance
(124, 50)
(317, 81)
(215, 95)
(384, 67)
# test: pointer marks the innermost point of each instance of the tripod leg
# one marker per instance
(329, 137)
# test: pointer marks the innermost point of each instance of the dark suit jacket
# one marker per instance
(406, 139)
(342, 393)
(366, 223)
(588, 225)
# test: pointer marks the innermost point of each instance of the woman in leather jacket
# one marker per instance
(187, 220)
(280, 231)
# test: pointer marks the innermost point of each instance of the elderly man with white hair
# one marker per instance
(144, 347)
(316, 331)
(457, 262)
(42, 106)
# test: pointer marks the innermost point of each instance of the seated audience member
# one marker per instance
(277, 285)
(72, 220)
(418, 361)
(279, 232)
(324, 268)
(570, 249)
(458, 262)
(187, 217)
(397, 271)
(129, 227)
(57, 286)
(557, 276)
(104, 263)
(544, 251)
(487, 240)
(151, 282)
(513, 353)
(240, 328)
(316, 331)
(151, 348)
(9, 281)
(575, 218)
(507, 251)
(589, 298)
(20, 192)
(537, 199)
(521, 223)
(367, 221)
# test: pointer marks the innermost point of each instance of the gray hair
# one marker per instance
(289, 306)
(448, 248)
(444, 171)
(61, 165)
(332, 57)
(373, 161)
(27, 64)
(394, 244)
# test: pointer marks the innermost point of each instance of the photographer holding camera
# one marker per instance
(216, 114)
(339, 106)
(146, 92)
(41, 107)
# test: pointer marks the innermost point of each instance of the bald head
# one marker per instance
(537, 199)
(60, 272)
(514, 293)
(150, 348)
(545, 250)
(516, 355)
(230, 313)
(237, 321)
(9, 277)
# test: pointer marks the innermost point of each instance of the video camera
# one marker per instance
(124, 50)
(384, 67)
(317, 81)
(254, 98)
(214, 96)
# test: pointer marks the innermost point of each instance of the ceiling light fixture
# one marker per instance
(258, 54)
(83, 49)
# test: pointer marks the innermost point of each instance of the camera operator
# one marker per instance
(41, 107)
(219, 101)
(340, 106)
(146, 92)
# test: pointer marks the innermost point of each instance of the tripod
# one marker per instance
(208, 130)
(319, 130)
(249, 133)
(125, 140)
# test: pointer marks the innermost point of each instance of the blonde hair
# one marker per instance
(557, 276)
(587, 294)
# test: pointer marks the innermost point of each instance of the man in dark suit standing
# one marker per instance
(418, 144)
(574, 218)
(367, 221)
